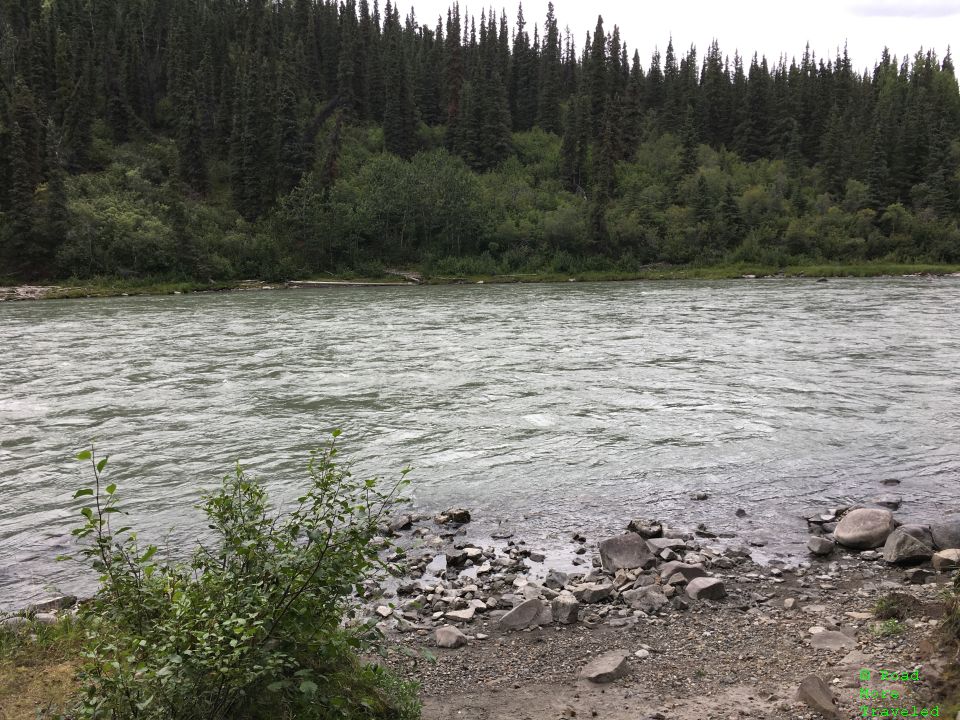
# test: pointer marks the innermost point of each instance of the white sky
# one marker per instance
(765, 26)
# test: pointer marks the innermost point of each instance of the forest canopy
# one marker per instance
(219, 139)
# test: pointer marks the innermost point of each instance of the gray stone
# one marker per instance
(819, 697)
(705, 588)
(820, 546)
(607, 668)
(56, 604)
(566, 608)
(690, 572)
(658, 545)
(648, 599)
(832, 640)
(556, 580)
(45, 618)
(890, 502)
(864, 529)
(461, 615)
(401, 523)
(946, 560)
(627, 551)
(699, 496)
(526, 614)
(917, 576)
(646, 528)
(384, 611)
(453, 515)
(908, 544)
(15, 623)
(591, 593)
(449, 637)
(456, 558)
(946, 536)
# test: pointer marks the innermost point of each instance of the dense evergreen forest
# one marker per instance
(278, 138)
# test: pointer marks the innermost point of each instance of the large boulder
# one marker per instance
(668, 570)
(706, 588)
(818, 696)
(566, 608)
(946, 560)
(908, 544)
(607, 668)
(865, 528)
(528, 614)
(591, 593)
(946, 536)
(646, 528)
(627, 551)
(449, 637)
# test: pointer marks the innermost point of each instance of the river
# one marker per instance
(546, 409)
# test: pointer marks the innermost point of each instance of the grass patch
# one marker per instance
(893, 606)
(38, 665)
(888, 628)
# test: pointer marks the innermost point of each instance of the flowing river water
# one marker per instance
(546, 409)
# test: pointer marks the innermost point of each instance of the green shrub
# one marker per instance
(259, 623)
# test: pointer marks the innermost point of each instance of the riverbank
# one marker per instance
(122, 288)
(659, 622)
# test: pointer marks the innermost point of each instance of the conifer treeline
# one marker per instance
(258, 96)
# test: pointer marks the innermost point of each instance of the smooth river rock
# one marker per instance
(864, 529)
(607, 668)
(832, 640)
(908, 544)
(946, 536)
(449, 637)
(627, 551)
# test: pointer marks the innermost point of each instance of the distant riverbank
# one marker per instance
(111, 287)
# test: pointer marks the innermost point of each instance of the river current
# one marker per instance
(545, 409)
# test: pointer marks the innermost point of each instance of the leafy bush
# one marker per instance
(258, 624)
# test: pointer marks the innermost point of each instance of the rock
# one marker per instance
(606, 668)
(946, 536)
(15, 624)
(917, 576)
(527, 614)
(668, 570)
(462, 615)
(890, 502)
(627, 551)
(820, 546)
(658, 545)
(45, 618)
(56, 604)
(864, 529)
(384, 611)
(908, 544)
(832, 640)
(646, 528)
(741, 513)
(556, 580)
(453, 515)
(870, 555)
(819, 697)
(946, 560)
(537, 557)
(456, 558)
(401, 523)
(449, 637)
(591, 593)
(789, 604)
(648, 599)
(699, 496)
(704, 588)
(566, 608)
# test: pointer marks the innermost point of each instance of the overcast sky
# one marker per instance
(770, 28)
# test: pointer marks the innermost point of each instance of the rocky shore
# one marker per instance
(660, 622)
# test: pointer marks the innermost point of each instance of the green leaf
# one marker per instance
(308, 687)
(85, 455)
(102, 464)
(82, 493)
(111, 488)
(277, 686)
(87, 513)
(151, 551)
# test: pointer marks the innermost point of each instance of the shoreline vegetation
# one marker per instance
(351, 606)
(107, 287)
